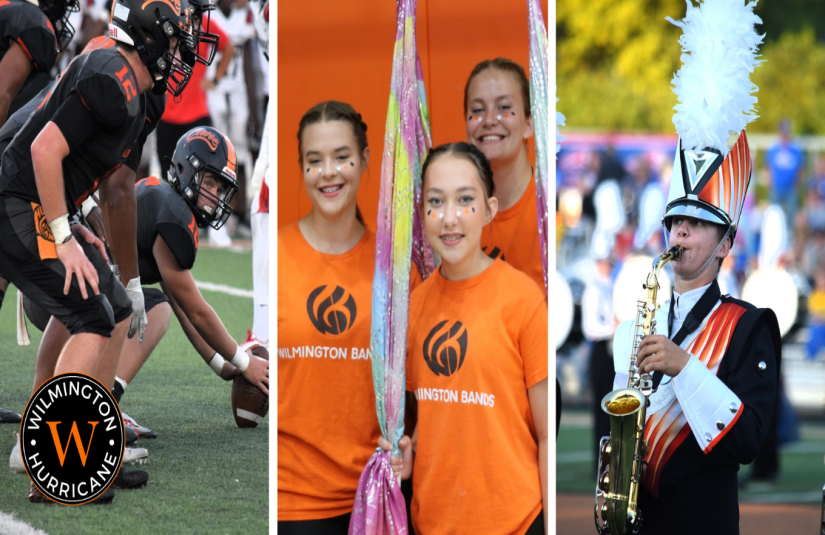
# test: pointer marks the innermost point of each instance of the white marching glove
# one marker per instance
(139, 320)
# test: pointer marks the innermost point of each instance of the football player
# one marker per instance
(31, 36)
(83, 130)
(201, 185)
(28, 49)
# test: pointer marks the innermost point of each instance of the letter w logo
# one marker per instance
(61, 451)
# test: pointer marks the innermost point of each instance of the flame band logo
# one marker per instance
(445, 348)
(331, 311)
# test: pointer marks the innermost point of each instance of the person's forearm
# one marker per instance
(204, 350)
(543, 477)
(118, 195)
(48, 175)
(209, 326)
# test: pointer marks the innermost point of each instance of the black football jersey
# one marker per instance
(161, 211)
(105, 82)
(155, 106)
(25, 23)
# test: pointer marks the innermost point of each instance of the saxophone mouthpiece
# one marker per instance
(676, 252)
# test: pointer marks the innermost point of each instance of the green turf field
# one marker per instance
(802, 472)
(205, 474)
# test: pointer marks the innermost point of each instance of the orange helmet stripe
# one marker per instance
(230, 154)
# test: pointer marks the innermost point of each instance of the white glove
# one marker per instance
(139, 320)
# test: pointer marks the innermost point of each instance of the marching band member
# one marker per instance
(715, 371)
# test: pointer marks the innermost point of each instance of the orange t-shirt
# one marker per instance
(474, 348)
(327, 426)
(513, 235)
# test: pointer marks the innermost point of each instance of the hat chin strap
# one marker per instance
(710, 259)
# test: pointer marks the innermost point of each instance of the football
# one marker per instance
(249, 403)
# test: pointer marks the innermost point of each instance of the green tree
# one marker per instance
(616, 60)
(791, 83)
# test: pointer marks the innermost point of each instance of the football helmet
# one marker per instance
(201, 150)
(161, 32)
(200, 29)
(58, 12)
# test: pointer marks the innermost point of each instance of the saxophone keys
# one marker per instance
(605, 453)
(604, 481)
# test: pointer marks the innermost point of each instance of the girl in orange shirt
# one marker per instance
(477, 364)
(327, 427)
(499, 122)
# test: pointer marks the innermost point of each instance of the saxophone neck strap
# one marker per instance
(692, 322)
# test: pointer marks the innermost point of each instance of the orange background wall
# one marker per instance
(342, 50)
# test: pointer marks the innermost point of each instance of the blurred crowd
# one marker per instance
(612, 191)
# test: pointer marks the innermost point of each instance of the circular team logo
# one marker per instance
(445, 348)
(72, 439)
(331, 311)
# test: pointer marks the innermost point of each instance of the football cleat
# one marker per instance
(9, 417)
(130, 435)
(16, 458)
(143, 432)
(135, 456)
(133, 479)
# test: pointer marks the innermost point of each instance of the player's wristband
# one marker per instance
(217, 363)
(88, 205)
(61, 229)
(240, 360)
(133, 284)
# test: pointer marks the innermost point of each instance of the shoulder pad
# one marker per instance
(26, 24)
(108, 87)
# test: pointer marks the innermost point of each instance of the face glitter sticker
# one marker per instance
(314, 170)
(475, 117)
(458, 213)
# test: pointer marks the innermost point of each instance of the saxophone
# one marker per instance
(822, 527)
(621, 454)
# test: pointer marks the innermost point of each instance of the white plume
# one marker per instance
(559, 122)
(719, 45)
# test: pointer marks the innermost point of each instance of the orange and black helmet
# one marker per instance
(58, 12)
(149, 26)
(201, 150)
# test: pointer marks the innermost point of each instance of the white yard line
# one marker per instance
(222, 288)
(12, 526)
